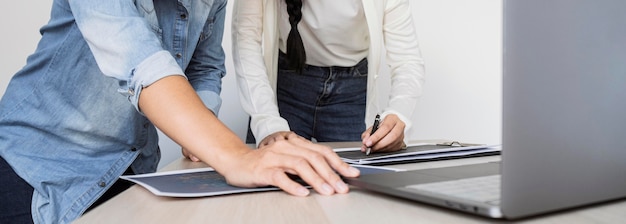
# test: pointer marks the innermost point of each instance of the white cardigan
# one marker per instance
(255, 54)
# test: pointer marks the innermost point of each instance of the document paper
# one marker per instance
(416, 153)
(204, 182)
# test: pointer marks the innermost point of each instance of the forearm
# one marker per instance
(254, 78)
(173, 106)
(405, 60)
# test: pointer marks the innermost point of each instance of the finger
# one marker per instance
(189, 156)
(315, 175)
(335, 161)
(185, 153)
(366, 133)
(392, 141)
(391, 137)
(325, 161)
(364, 136)
(293, 136)
(266, 142)
(277, 136)
(319, 161)
(297, 161)
(384, 128)
(282, 181)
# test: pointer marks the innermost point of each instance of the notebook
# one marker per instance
(563, 121)
(418, 152)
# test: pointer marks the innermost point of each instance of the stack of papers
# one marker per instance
(203, 182)
(417, 153)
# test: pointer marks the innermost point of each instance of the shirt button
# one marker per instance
(179, 55)
(183, 16)
(102, 184)
(133, 149)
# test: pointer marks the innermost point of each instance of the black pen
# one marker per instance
(374, 128)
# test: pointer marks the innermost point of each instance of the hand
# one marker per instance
(189, 156)
(276, 136)
(389, 136)
(173, 106)
(270, 163)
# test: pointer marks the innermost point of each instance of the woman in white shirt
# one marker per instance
(311, 67)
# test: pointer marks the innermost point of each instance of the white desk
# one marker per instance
(138, 205)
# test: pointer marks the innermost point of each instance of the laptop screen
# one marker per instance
(564, 104)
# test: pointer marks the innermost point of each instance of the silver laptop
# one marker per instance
(564, 118)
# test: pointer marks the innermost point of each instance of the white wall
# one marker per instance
(20, 22)
(460, 41)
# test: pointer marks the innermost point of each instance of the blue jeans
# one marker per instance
(16, 196)
(325, 103)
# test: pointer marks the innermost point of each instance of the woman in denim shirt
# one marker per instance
(83, 110)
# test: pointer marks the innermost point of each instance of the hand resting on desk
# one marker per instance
(289, 153)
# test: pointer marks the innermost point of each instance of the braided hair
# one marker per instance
(295, 48)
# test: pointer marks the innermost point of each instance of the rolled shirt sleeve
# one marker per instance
(206, 68)
(124, 45)
(211, 100)
(150, 70)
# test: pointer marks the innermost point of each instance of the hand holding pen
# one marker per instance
(374, 128)
(386, 135)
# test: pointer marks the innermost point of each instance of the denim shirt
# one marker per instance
(69, 120)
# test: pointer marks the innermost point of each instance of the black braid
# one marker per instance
(295, 48)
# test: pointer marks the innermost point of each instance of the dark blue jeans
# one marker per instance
(325, 103)
(16, 196)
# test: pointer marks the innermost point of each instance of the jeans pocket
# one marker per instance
(361, 68)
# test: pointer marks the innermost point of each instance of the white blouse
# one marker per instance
(334, 32)
(391, 34)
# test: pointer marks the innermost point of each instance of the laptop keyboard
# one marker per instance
(485, 189)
